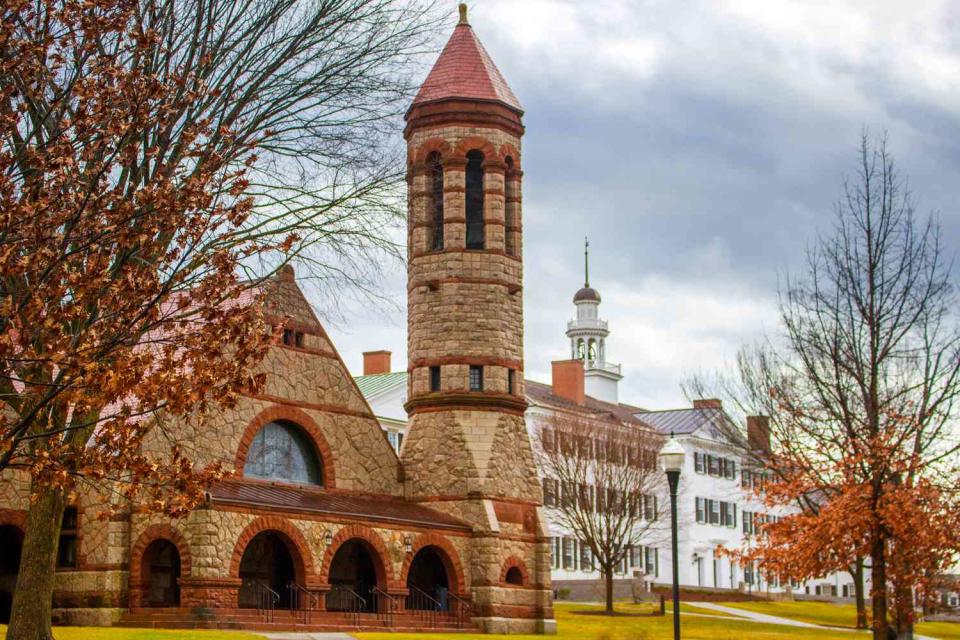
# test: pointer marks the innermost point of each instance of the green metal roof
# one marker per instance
(371, 386)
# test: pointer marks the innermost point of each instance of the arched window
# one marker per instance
(581, 350)
(435, 168)
(282, 451)
(592, 350)
(514, 576)
(474, 180)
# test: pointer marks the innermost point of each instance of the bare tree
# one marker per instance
(861, 390)
(602, 479)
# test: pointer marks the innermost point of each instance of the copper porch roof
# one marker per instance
(465, 70)
(282, 496)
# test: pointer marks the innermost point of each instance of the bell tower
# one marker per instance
(467, 450)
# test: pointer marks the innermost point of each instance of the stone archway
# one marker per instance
(160, 572)
(355, 570)
(270, 560)
(11, 541)
(428, 581)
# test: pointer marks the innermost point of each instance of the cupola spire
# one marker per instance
(463, 14)
(586, 261)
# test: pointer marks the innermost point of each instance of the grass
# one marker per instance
(581, 622)
(575, 622)
(119, 633)
(837, 615)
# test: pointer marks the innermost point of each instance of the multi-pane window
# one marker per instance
(476, 378)
(719, 467)
(716, 512)
(650, 507)
(281, 451)
(568, 553)
(555, 551)
(474, 200)
(636, 557)
(67, 549)
(434, 378)
(586, 557)
(652, 557)
(436, 200)
(549, 492)
(293, 338)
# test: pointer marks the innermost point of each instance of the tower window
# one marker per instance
(476, 378)
(511, 378)
(434, 378)
(436, 201)
(474, 197)
(511, 211)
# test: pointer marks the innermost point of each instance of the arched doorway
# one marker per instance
(266, 561)
(428, 580)
(11, 542)
(161, 571)
(353, 575)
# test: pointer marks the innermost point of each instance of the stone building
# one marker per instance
(324, 525)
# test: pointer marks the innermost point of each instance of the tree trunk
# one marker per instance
(608, 580)
(878, 577)
(33, 596)
(904, 612)
(861, 600)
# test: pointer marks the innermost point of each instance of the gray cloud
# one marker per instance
(701, 146)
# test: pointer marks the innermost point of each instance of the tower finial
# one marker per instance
(463, 14)
(586, 261)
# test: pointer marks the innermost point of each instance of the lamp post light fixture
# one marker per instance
(671, 460)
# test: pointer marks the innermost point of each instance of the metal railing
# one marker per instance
(266, 599)
(343, 598)
(302, 602)
(461, 609)
(423, 605)
(385, 605)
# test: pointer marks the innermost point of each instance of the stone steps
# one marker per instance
(282, 620)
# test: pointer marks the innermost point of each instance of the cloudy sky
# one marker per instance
(700, 145)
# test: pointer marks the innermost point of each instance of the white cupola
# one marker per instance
(588, 339)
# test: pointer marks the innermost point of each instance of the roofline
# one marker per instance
(406, 115)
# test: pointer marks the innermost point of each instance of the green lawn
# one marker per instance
(119, 633)
(837, 615)
(580, 622)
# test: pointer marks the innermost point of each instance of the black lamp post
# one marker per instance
(671, 459)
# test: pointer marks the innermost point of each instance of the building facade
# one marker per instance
(323, 524)
(717, 504)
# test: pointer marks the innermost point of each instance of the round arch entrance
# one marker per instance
(428, 580)
(354, 572)
(267, 562)
(161, 571)
(11, 541)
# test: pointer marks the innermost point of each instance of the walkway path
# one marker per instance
(302, 635)
(764, 618)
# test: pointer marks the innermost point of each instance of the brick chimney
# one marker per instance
(568, 380)
(758, 433)
(376, 362)
(707, 403)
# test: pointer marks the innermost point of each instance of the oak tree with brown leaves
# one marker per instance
(159, 160)
(861, 389)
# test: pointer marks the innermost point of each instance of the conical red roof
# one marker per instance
(465, 70)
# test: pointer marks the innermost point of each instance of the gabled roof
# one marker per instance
(540, 394)
(687, 421)
(465, 70)
(374, 385)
